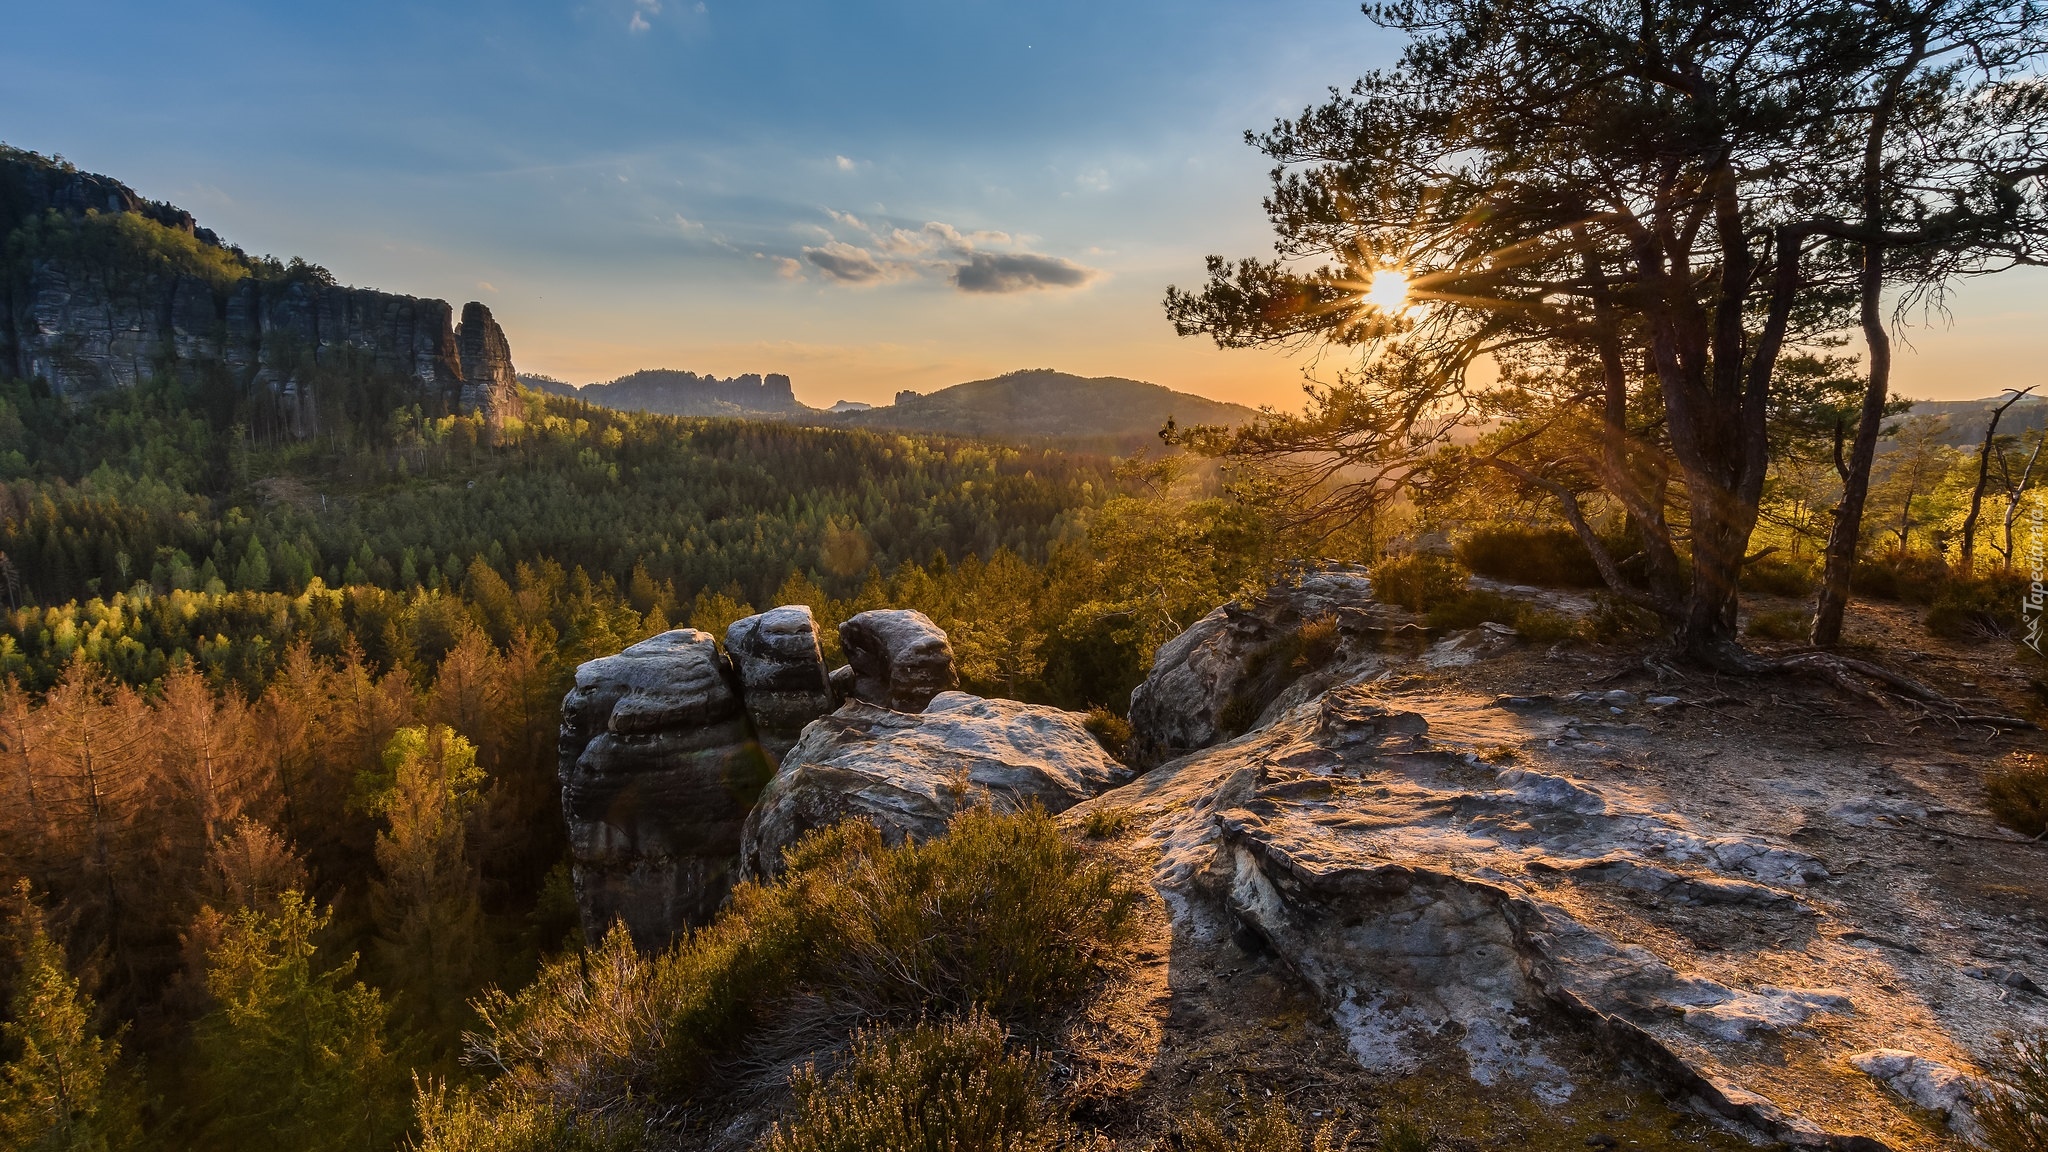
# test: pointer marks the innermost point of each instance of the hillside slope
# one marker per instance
(1044, 403)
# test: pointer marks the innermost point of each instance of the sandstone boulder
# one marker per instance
(781, 674)
(1242, 664)
(909, 773)
(898, 659)
(658, 769)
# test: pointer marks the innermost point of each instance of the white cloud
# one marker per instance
(850, 264)
(638, 24)
(985, 261)
(688, 225)
(787, 268)
(846, 163)
(487, 286)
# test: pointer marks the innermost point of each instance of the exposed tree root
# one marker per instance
(1882, 687)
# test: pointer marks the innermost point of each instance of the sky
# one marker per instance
(865, 196)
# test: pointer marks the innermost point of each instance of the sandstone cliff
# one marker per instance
(101, 289)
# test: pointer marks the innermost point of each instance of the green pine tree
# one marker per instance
(62, 1087)
(293, 1057)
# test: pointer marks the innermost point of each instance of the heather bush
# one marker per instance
(1417, 580)
(1001, 916)
(952, 1086)
(1550, 557)
(1265, 1127)
(2017, 795)
(2014, 1114)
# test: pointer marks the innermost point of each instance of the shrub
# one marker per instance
(1473, 608)
(999, 915)
(1916, 576)
(1107, 823)
(1789, 624)
(2018, 796)
(1469, 609)
(1552, 557)
(1317, 642)
(1778, 577)
(1269, 1127)
(2014, 1115)
(1615, 621)
(1978, 608)
(1417, 580)
(945, 1087)
(1110, 730)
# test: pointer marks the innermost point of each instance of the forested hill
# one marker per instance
(1045, 404)
(102, 290)
(1103, 412)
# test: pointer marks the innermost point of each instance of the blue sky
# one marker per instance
(865, 196)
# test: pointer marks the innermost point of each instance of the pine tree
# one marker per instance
(61, 1088)
(294, 1058)
(431, 942)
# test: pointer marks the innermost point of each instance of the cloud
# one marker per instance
(997, 272)
(848, 264)
(984, 261)
(687, 224)
(846, 163)
(788, 269)
(487, 286)
(638, 24)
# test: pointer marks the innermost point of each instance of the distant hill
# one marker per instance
(1033, 404)
(1044, 404)
(675, 393)
(1967, 418)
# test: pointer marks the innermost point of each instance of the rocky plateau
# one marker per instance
(1549, 875)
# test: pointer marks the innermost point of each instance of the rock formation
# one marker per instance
(910, 772)
(1225, 675)
(1487, 883)
(659, 768)
(781, 672)
(896, 658)
(89, 323)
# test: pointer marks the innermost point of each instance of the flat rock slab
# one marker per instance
(910, 772)
(1446, 875)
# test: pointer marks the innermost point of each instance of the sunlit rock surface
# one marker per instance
(910, 772)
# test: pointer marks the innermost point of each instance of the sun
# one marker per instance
(1389, 291)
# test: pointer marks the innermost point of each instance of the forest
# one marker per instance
(278, 719)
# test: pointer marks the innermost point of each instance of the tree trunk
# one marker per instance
(1983, 478)
(1847, 530)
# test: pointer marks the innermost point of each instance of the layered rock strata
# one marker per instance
(1241, 664)
(896, 658)
(781, 673)
(659, 768)
(1443, 870)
